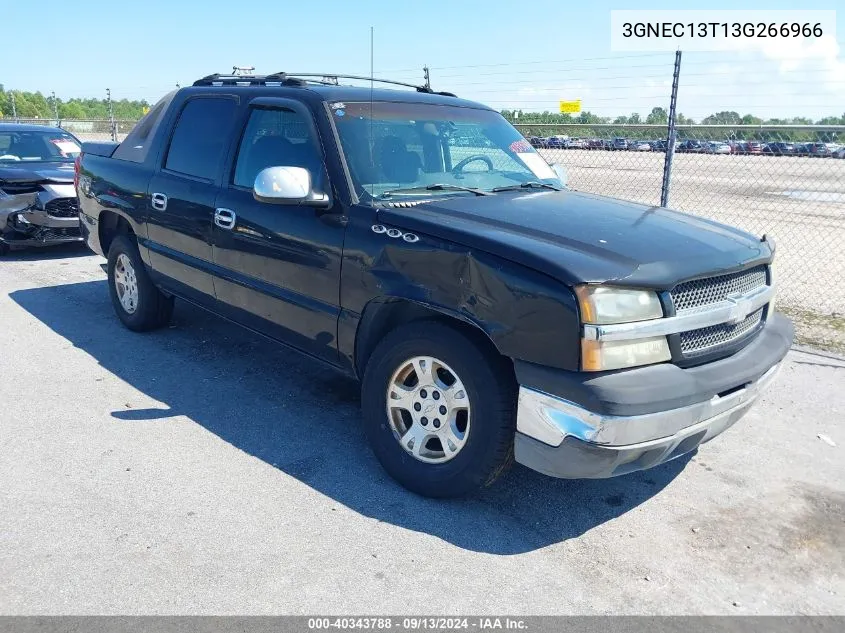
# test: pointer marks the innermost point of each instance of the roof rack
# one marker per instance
(300, 79)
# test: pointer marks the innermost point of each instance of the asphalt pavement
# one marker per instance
(201, 470)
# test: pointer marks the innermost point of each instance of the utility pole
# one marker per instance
(14, 107)
(427, 77)
(111, 116)
(55, 107)
(670, 135)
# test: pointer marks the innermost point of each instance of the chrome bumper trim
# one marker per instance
(550, 419)
(731, 310)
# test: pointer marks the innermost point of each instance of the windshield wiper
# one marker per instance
(435, 187)
(531, 184)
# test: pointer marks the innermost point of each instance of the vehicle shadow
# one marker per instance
(44, 253)
(303, 419)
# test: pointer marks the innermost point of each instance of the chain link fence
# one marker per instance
(84, 130)
(785, 181)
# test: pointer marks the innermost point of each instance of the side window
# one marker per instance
(136, 145)
(200, 136)
(277, 138)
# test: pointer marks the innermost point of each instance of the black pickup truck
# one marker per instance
(418, 242)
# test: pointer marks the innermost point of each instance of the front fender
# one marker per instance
(527, 315)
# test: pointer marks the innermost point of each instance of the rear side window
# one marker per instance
(200, 136)
(136, 146)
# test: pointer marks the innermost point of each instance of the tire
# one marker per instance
(489, 422)
(4, 249)
(152, 309)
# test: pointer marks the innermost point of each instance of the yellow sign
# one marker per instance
(145, 110)
(569, 107)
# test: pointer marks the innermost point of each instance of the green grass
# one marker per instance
(818, 330)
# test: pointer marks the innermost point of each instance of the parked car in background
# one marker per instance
(819, 150)
(577, 143)
(595, 143)
(639, 146)
(658, 146)
(483, 311)
(692, 146)
(556, 142)
(840, 152)
(754, 147)
(537, 141)
(619, 143)
(779, 148)
(38, 205)
(716, 147)
(738, 147)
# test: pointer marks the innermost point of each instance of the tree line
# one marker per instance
(31, 105)
(659, 116)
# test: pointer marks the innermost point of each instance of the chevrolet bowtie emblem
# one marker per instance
(740, 309)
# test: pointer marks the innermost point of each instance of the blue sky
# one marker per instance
(506, 54)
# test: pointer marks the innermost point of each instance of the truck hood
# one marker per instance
(30, 172)
(582, 238)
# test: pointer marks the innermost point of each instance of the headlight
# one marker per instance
(603, 305)
(606, 355)
(606, 305)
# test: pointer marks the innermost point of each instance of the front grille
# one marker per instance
(711, 290)
(709, 339)
(62, 208)
(49, 234)
(701, 292)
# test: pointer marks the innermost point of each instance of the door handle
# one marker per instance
(225, 218)
(158, 201)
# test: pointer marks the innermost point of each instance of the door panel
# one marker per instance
(179, 237)
(277, 269)
(181, 197)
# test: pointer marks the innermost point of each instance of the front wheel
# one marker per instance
(439, 409)
(138, 303)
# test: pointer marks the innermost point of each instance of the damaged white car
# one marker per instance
(38, 203)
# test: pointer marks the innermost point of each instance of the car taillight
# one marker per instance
(77, 163)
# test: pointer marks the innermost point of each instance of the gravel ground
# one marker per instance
(199, 470)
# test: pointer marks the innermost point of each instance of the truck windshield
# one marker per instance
(417, 149)
(37, 146)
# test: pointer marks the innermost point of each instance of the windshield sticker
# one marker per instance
(536, 164)
(338, 105)
(66, 147)
(340, 112)
(521, 146)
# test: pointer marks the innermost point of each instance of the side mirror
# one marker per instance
(287, 185)
(560, 172)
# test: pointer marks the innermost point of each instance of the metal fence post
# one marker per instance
(670, 135)
(111, 116)
(14, 107)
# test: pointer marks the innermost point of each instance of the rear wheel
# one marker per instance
(137, 302)
(439, 409)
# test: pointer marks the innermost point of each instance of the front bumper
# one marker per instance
(24, 220)
(625, 432)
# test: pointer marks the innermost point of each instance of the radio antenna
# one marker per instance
(372, 140)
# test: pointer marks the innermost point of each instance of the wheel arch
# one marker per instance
(111, 224)
(385, 313)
